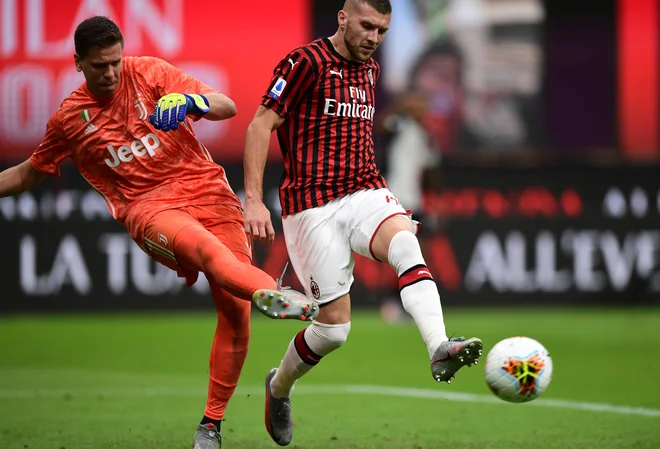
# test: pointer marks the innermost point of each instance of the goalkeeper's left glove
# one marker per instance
(173, 108)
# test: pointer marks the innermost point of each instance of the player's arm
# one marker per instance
(257, 140)
(221, 107)
(292, 79)
(181, 96)
(19, 178)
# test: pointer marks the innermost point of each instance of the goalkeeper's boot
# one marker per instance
(453, 355)
(207, 437)
(278, 415)
(285, 303)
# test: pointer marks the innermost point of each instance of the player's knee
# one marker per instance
(404, 251)
(324, 338)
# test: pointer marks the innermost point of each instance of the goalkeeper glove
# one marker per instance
(173, 108)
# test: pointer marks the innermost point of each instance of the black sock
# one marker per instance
(215, 422)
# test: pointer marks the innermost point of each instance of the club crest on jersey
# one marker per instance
(371, 76)
(276, 92)
(314, 288)
(139, 105)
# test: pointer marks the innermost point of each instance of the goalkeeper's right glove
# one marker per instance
(173, 108)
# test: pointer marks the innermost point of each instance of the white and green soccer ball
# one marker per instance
(518, 369)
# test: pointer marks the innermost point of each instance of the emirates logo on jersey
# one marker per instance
(358, 108)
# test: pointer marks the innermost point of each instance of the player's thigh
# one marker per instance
(319, 250)
(226, 224)
(370, 209)
(160, 235)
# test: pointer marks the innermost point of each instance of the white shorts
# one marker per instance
(321, 240)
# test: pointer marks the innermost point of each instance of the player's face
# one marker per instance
(102, 69)
(364, 30)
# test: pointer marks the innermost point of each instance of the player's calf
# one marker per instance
(305, 351)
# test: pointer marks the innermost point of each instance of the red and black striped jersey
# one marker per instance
(326, 139)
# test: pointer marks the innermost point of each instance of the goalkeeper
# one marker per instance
(161, 183)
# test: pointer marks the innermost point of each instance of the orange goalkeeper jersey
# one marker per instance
(137, 169)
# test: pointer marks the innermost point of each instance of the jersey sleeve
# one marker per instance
(165, 78)
(168, 79)
(292, 78)
(53, 149)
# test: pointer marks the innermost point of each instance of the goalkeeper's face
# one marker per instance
(102, 69)
(364, 30)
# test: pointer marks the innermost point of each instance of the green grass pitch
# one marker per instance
(138, 381)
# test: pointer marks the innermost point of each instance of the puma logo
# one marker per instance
(293, 64)
(340, 73)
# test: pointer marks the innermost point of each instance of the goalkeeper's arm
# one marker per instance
(221, 107)
(173, 108)
(19, 178)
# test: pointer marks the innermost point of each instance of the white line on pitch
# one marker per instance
(332, 389)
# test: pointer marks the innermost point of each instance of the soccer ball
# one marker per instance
(518, 369)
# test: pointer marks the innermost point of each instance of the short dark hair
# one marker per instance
(382, 6)
(97, 31)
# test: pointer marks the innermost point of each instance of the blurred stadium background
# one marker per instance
(524, 134)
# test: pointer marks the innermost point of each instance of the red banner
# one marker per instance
(232, 46)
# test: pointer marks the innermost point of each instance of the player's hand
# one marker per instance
(257, 221)
(173, 108)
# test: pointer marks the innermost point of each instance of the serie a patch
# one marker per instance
(276, 92)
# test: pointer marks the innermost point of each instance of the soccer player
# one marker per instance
(162, 184)
(335, 201)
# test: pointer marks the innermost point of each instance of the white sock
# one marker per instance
(419, 294)
(291, 369)
(305, 351)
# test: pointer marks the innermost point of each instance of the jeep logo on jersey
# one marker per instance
(137, 148)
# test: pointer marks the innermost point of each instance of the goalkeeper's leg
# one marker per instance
(228, 352)
(180, 241)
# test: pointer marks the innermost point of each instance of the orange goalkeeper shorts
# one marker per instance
(224, 222)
